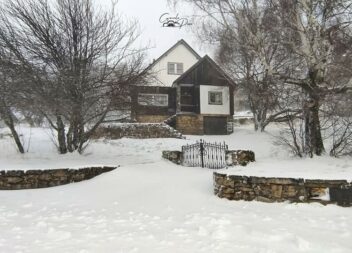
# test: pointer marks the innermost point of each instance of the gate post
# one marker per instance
(201, 149)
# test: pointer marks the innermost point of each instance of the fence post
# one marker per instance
(201, 149)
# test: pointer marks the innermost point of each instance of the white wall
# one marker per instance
(179, 54)
(205, 108)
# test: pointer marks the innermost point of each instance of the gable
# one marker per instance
(205, 72)
(180, 42)
(182, 54)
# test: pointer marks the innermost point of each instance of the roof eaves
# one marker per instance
(229, 79)
(181, 41)
(216, 66)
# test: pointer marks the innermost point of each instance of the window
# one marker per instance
(215, 98)
(153, 99)
(174, 68)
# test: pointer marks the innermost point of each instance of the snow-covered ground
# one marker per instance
(243, 114)
(152, 205)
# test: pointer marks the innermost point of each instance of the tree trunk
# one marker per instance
(69, 138)
(259, 118)
(6, 115)
(256, 124)
(15, 136)
(313, 137)
(61, 137)
(75, 133)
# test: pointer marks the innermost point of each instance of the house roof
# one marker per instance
(212, 62)
(183, 42)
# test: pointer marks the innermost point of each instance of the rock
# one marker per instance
(14, 173)
(240, 157)
(173, 156)
(317, 192)
(227, 190)
(263, 199)
(290, 191)
(14, 180)
(228, 182)
(324, 183)
(284, 181)
(276, 191)
(59, 172)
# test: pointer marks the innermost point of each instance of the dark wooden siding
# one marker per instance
(190, 99)
(138, 109)
(205, 74)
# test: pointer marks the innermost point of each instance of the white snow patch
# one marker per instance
(151, 205)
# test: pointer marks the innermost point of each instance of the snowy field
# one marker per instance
(150, 205)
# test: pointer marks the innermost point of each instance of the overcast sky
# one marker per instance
(159, 38)
(147, 12)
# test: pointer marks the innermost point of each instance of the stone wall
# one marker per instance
(239, 157)
(173, 156)
(136, 130)
(33, 179)
(151, 118)
(282, 189)
(191, 124)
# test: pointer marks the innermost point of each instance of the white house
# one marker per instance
(191, 92)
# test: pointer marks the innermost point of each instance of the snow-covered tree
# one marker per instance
(10, 87)
(285, 42)
(79, 59)
(313, 31)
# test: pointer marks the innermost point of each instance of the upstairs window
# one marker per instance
(153, 99)
(174, 68)
(215, 98)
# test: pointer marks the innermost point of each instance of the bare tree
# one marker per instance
(9, 95)
(312, 30)
(80, 59)
(306, 35)
(337, 123)
(249, 49)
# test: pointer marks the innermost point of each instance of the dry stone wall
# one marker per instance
(151, 118)
(33, 179)
(239, 157)
(173, 156)
(264, 189)
(136, 130)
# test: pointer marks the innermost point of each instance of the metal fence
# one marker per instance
(205, 154)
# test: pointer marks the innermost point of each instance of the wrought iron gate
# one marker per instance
(205, 154)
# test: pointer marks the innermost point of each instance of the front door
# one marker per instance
(187, 99)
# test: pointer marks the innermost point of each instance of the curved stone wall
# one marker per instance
(33, 179)
(282, 189)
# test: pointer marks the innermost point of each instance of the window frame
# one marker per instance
(175, 68)
(152, 99)
(215, 92)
